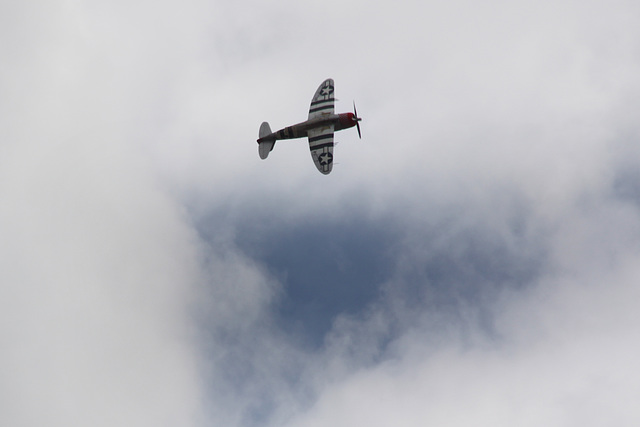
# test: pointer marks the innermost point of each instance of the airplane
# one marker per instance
(319, 128)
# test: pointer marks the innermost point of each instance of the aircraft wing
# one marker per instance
(323, 100)
(321, 146)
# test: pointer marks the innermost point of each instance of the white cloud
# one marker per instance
(504, 124)
(98, 267)
(97, 272)
(562, 355)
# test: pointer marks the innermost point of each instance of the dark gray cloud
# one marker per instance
(325, 266)
(341, 265)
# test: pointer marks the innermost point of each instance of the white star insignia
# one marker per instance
(326, 90)
(325, 158)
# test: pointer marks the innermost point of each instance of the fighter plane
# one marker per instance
(319, 128)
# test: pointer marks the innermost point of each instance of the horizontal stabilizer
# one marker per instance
(265, 147)
(266, 140)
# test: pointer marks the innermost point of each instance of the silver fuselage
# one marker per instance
(300, 130)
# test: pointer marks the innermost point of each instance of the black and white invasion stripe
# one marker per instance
(321, 141)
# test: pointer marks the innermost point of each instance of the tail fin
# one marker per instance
(265, 130)
(265, 144)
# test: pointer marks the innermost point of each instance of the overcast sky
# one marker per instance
(473, 260)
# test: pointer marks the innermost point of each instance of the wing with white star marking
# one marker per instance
(321, 146)
(323, 100)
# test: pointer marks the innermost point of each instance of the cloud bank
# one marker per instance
(472, 260)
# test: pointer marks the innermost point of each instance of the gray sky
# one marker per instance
(474, 259)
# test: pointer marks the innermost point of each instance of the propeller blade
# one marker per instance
(355, 114)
